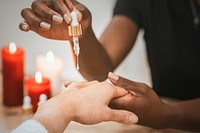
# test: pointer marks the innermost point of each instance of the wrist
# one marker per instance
(57, 110)
(170, 115)
(70, 106)
(88, 32)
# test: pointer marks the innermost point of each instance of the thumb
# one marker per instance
(129, 85)
(123, 116)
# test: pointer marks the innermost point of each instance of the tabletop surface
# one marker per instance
(11, 117)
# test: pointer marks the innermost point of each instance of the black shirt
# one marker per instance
(172, 42)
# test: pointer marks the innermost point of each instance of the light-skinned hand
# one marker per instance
(86, 103)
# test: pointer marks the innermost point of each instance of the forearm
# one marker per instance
(97, 58)
(94, 60)
(184, 115)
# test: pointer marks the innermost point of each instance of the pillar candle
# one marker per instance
(51, 67)
(13, 74)
(35, 86)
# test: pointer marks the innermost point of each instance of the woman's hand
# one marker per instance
(51, 18)
(92, 99)
(86, 103)
(142, 100)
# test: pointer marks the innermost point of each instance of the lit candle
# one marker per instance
(51, 67)
(36, 86)
(13, 74)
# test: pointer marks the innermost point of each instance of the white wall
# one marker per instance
(134, 67)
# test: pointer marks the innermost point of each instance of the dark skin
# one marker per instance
(145, 103)
(105, 54)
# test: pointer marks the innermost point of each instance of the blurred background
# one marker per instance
(134, 67)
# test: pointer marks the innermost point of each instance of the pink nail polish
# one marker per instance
(67, 18)
(25, 27)
(45, 25)
(57, 19)
(113, 76)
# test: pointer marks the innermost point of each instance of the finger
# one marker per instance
(74, 84)
(119, 92)
(60, 7)
(123, 116)
(80, 85)
(69, 4)
(34, 20)
(67, 83)
(24, 26)
(46, 13)
(113, 91)
(121, 102)
(129, 85)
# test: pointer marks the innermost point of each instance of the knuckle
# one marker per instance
(144, 87)
(118, 116)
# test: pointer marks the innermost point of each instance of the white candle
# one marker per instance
(51, 67)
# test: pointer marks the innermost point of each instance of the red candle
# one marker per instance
(13, 74)
(36, 86)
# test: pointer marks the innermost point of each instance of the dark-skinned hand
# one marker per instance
(51, 18)
(142, 100)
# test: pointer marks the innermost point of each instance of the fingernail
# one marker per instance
(45, 25)
(133, 119)
(25, 27)
(57, 19)
(113, 76)
(67, 18)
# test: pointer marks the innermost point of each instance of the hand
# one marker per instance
(86, 103)
(93, 99)
(141, 100)
(50, 18)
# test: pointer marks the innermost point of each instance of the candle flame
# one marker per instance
(50, 57)
(12, 48)
(38, 77)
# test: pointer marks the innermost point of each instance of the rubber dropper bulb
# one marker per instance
(74, 19)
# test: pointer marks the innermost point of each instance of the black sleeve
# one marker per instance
(134, 9)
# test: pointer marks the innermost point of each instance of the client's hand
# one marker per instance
(85, 102)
